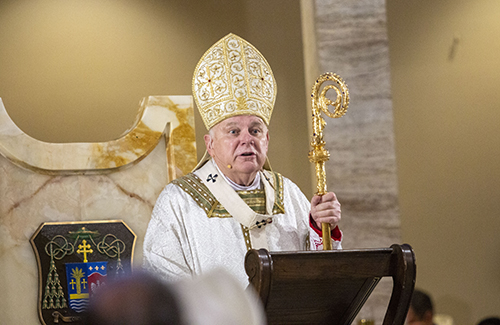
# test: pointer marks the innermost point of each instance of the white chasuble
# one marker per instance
(191, 232)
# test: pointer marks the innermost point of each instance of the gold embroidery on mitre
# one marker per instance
(233, 78)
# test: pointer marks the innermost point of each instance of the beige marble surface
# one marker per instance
(352, 42)
(50, 182)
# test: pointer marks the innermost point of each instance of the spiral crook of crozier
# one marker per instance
(321, 101)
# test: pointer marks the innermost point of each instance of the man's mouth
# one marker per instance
(247, 154)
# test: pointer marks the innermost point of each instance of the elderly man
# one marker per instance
(231, 202)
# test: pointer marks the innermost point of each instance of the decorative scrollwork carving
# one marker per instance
(59, 247)
(111, 248)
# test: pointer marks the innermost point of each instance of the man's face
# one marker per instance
(241, 142)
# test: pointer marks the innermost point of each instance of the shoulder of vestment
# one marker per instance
(255, 199)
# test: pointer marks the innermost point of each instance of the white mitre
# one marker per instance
(233, 78)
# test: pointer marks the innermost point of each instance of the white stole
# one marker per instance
(235, 205)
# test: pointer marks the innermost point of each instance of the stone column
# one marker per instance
(351, 40)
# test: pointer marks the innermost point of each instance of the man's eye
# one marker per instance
(232, 132)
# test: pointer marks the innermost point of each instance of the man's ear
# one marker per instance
(208, 143)
(267, 140)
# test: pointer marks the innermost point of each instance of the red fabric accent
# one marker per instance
(336, 233)
(314, 226)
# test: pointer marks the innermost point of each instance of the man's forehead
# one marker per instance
(242, 121)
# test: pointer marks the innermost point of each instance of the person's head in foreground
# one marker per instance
(490, 321)
(421, 309)
(214, 298)
(139, 298)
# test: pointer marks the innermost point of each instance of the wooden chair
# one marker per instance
(330, 287)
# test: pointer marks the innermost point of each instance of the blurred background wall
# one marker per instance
(75, 71)
(445, 67)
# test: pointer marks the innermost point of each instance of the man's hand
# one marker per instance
(325, 209)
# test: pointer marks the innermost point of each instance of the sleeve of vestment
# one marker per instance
(296, 203)
(316, 236)
(166, 246)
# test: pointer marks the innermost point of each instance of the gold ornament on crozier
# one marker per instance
(319, 155)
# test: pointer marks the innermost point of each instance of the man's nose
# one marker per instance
(246, 137)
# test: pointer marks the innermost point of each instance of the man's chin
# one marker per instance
(248, 166)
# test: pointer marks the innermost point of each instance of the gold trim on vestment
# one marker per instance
(255, 199)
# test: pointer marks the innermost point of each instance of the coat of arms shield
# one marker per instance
(74, 260)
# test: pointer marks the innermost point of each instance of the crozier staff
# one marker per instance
(231, 203)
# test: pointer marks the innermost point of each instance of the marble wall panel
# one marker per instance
(352, 42)
(119, 183)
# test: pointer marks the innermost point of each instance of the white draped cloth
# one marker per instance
(181, 240)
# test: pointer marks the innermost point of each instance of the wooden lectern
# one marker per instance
(330, 287)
